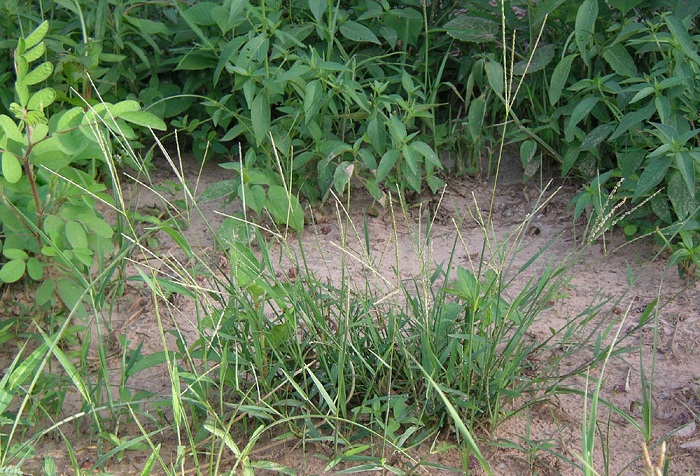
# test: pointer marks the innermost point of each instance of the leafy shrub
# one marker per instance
(51, 229)
(615, 103)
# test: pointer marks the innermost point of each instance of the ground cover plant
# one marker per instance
(307, 102)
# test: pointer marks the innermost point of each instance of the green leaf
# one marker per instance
(35, 269)
(527, 152)
(41, 99)
(144, 119)
(200, 13)
(285, 208)
(680, 34)
(541, 57)
(406, 22)
(12, 271)
(569, 159)
(226, 54)
(473, 29)
(475, 118)
(581, 110)
(683, 202)
(596, 136)
(11, 167)
(44, 293)
(585, 27)
(427, 152)
(342, 175)
(632, 119)
(318, 8)
(397, 129)
(411, 159)
(76, 235)
(620, 60)
(217, 190)
(494, 73)
(15, 253)
(312, 100)
(686, 166)
(10, 129)
(376, 131)
(38, 74)
(35, 53)
(72, 296)
(37, 35)
(387, 163)
(653, 174)
(358, 32)
(260, 116)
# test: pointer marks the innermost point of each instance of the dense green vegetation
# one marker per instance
(303, 100)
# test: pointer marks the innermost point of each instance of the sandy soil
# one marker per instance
(611, 268)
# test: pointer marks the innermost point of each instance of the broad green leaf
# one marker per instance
(38, 74)
(217, 190)
(386, 164)
(584, 28)
(151, 360)
(10, 129)
(253, 197)
(427, 152)
(15, 253)
(37, 35)
(12, 271)
(680, 34)
(527, 152)
(41, 99)
(494, 73)
(44, 293)
(121, 107)
(596, 136)
(260, 116)
(410, 158)
(569, 159)
(475, 118)
(11, 167)
(98, 226)
(71, 295)
(653, 174)
(252, 53)
(397, 129)
(285, 208)
(35, 53)
(200, 13)
(542, 10)
(196, 60)
(226, 54)
(620, 60)
(686, 166)
(376, 131)
(358, 32)
(407, 24)
(642, 93)
(683, 202)
(473, 29)
(318, 9)
(76, 234)
(342, 175)
(580, 112)
(659, 205)
(144, 119)
(632, 119)
(541, 57)
(312, 100)
(410, 177)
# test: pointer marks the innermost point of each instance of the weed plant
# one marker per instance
(370, 369)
